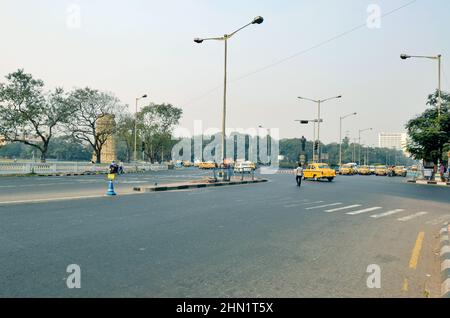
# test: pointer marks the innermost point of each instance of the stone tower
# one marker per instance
(108, 154)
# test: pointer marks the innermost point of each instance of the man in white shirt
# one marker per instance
(299, 174)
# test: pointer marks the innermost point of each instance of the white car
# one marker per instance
(243, 166)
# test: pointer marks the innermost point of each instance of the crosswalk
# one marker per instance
(359, 209)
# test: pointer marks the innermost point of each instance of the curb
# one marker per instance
(445, 260)
(438, 183)
(194, 186)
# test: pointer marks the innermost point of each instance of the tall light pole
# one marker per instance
(319, 102)
(359, 143)
(225, 38)
(340, 135)
(439, 59)
(135, 125)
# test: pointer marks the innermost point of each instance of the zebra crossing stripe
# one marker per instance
(365, 210)
(412, 216)
(312, 202)
(344, 208)
(323, 206)
(376, 216)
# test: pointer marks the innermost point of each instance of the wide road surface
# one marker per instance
(263, 240)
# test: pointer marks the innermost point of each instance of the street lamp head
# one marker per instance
(198, 40)
(144, 96)
(258, 20)
(404, 56)
(340, 96)
(355, 113)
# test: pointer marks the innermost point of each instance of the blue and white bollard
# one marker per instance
(111, 191)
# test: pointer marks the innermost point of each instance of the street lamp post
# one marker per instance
(359, 143)
(319, 102)
(340, 135)
(225, 38)
(439, 59)
(135, 125)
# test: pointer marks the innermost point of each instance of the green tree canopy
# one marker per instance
(429, 133)
(29, 115)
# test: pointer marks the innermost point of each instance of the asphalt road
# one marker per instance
(27, 188)
(262, 240)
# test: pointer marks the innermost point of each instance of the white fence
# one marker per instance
(62, 167)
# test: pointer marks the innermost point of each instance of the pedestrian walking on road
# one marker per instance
(299, 175)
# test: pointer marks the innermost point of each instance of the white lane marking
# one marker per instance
(376, 216)
(412, 216)
(344, 208)
(313, 202)
(63, 198)
(293, 204)
(323, 206)
(365, 210)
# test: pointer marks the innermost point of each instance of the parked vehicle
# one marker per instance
(244, 166)
(207, 165)
(187, 164)
(347, 169)
(400, 171)
(381, 170)
(364, 170)
(318, 171)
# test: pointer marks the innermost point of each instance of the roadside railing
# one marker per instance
(229, 174)
(72, 167)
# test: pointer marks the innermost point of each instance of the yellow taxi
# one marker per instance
(186, 163)
(364, 170)
(400, 171)
(346, 170)
(381, 170)
(207, 165)
(317, 171)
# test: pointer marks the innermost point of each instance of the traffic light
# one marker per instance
(316, 145)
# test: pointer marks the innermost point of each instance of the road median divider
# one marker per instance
(194, 185)
(430, 182)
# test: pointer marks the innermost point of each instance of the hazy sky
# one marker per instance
(135, 47)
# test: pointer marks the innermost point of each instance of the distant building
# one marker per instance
(397, 141)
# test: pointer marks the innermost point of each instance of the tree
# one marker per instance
(429, 134)
(156, 124)
(93, 120)
(27, 114)
(125, 134)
